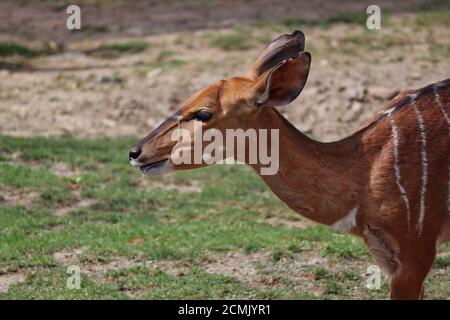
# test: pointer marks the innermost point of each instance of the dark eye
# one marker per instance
(202, 115)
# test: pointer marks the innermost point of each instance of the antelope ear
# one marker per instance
(286, 46)
(283, 83)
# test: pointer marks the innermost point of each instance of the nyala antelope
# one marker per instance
(388, 182)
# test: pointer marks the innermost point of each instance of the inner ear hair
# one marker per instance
(267, 79)
(283, 83)
(282, 48)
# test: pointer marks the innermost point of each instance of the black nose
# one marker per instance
(135, 153)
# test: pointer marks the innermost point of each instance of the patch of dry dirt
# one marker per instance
(194, 186)
(25, 197)
(290, 223)
(82, 95)
(63, 169)
(255, 269)
(239, 265)
(97, 270)
(30, 20)
(258, 269)
(9, 279)
(298, 271)
(91, 268)
(81, 204)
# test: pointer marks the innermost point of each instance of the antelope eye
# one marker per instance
(202, 116)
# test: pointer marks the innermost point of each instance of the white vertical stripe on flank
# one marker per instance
(423, 154)
(447, 118)
(395, 142)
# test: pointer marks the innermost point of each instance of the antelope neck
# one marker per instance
(318, 180)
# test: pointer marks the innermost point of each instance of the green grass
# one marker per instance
(395, 34)
(164, 60)
(129, 46)
(427, 16)
(135, 238)
(350, 18)
(433, 5)
(237, 39)
(114, 50)
(430, 18)
(14, 49)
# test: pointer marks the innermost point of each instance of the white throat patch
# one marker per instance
(348, 222)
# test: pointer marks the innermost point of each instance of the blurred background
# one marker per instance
(133, 62)
(72, 102)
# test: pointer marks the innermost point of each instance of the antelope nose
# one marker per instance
(135, 152)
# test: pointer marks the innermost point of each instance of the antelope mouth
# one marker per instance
(153, 165)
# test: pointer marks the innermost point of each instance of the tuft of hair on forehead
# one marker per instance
(236, 91)
(206, 96)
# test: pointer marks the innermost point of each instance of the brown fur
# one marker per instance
(325, 181)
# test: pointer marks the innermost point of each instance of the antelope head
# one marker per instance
(275, 79)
